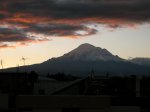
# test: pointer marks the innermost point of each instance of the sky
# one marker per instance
(41, 29)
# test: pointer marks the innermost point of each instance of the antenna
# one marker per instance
(2, 64)
(24, 60)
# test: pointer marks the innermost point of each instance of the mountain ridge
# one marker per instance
(81, 60)
(88, 52)
(140, 60)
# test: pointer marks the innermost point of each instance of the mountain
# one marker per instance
(83, 59)
(88, 52)
(140, 61)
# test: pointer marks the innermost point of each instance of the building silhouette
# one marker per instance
(30, 92)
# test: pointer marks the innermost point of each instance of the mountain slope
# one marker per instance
(141, 61)
(88, 52)
(83, 59)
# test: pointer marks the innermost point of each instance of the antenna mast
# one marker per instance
(2, 64)
(24, 62)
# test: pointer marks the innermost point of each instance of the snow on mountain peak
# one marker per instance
(140, 61)
(86, 45)
(88, 52)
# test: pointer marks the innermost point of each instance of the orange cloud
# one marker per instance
(33, 21)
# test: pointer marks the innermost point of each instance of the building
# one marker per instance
(22, 92)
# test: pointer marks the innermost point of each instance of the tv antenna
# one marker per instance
(2, 64)
(24, 60)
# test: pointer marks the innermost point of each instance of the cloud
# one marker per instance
(11, 37)
(5, 46)
(135, 10)
(2, 16)
(14, 35)
(64, 30)
(27, 20)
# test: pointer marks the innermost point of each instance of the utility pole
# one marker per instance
(2, 64)
(18, 68)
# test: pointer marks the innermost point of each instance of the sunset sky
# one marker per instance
(41, 29)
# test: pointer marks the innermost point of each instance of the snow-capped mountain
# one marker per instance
(140, 61)
(88, 52)
(83, 59)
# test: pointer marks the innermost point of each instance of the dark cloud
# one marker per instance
(66, 18)
(2, 16)
(135, 10)
(60, 29)
(8, 35)
(12, 37)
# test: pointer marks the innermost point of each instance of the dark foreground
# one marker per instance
(23, 92)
